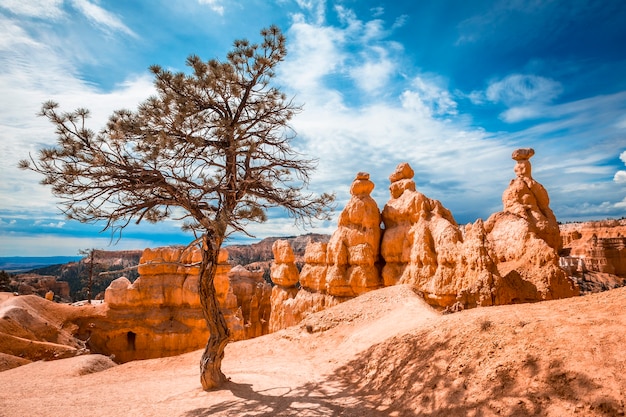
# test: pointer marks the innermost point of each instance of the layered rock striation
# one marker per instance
(160, 313)
(594, 254)
(345, 267)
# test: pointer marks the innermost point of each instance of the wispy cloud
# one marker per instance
(406, 126)
(314, 8)
(48, 9)
(101, 17)
(215, 5)
(523, 88)
(525, 95)
(25, 87)
(429, 97)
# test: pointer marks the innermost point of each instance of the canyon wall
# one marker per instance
(594, 254)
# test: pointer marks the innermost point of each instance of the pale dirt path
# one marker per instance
(281, 374)
(383, 354)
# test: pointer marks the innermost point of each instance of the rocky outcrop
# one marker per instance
(253, 296)
(524, 241)
(594, 254)
(510, 258)
(261, 252)
(42, 285)
(422, 241)
(33, 328)
(353, 251)
(290, 304)
(346, 266)
(160, 313)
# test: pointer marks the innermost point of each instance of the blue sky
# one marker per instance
(452, 87)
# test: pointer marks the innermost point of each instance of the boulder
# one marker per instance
(283, 271)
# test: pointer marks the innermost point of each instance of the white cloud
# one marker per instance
(215, 5)
(521, 113)
(518, 89)
(314, 53)
(101, 17)
(316, 8)
(429, 95)
(374, 73)
(377, 11)
(620, 176)
(24, 88)
(527, 96)
(49, 9)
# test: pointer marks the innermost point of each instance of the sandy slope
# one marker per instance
(385, 353)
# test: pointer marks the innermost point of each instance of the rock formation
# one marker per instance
(524, 241)
(346, 266)
(353, 250)
(42, 285)
(33, 328)
(510, 258)
(253, 296)
(285, 275)
(594, 254)
(160, 313)
(422, 241)
(289, 304)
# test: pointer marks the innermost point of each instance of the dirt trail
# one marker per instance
(385, 353)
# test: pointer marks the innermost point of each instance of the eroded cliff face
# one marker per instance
(160, 313)
(594, 254)
(512, 257)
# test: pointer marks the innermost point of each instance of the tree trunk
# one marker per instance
(211, 375)
(90, 282)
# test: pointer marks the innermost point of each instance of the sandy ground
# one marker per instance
(385, 353)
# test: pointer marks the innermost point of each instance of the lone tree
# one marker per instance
(212, 149)
(89, 253)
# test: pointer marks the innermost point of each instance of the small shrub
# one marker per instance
(485, 325)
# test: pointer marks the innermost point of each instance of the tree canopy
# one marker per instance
(212, 148)
(214, 143)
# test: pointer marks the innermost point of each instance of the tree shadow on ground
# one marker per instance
(309, 400)
(414, 375)
(437, 372)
